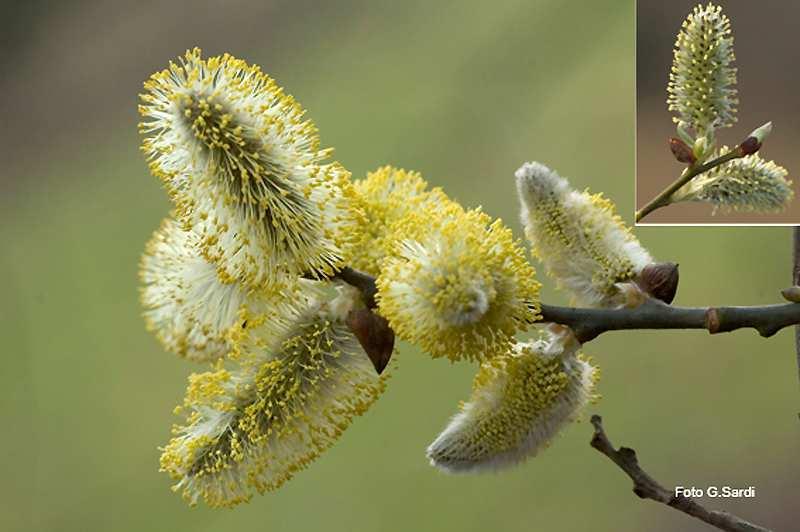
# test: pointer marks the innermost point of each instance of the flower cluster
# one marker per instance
(248, 273)
(228, 278)
(522, 397)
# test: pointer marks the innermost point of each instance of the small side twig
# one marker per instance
(646, 487)
(663, 198)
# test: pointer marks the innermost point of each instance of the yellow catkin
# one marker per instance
(252, 428)
(459, 285)
(245, 170)
(519, 402)
(584, 245)
(190, 308)
(386, 196)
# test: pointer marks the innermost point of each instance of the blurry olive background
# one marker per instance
(462, 92)
(768, 84)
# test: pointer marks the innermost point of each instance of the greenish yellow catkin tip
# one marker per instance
(458, 285)
(702, 82)
(187, 306)
(746, 184)
(584, 245)
(386, 196)
(245, 170)
(251, 428)
(519, 402)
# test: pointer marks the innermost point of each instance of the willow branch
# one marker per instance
(646, 487)
(588, 323)
(663, 198)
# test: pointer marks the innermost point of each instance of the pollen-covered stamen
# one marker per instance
(262, 411)
(386, 197)
(255, 183)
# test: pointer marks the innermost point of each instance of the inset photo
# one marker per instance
(718, 117)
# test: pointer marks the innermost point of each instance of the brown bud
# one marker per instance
(374, 334)
(660, 280)
(749, 146)
(791, 294)
(682, 152)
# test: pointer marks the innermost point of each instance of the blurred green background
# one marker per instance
(463, 92)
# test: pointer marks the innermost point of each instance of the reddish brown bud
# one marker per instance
(660, 280)
(374, 334)
(749, 146)
(682, 152)
(754, 140)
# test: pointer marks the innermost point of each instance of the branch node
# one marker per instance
(768, 330)
(712, 320)
(628, 454)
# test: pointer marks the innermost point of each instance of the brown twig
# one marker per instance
(646, 487)
(588, 323)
